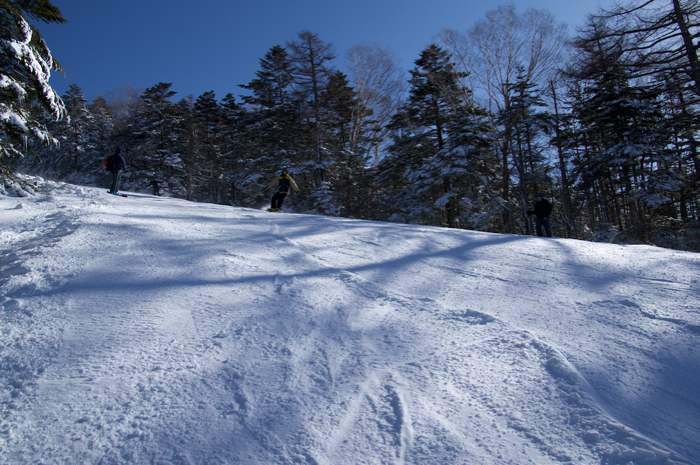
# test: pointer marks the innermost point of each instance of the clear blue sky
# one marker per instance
(217, 44)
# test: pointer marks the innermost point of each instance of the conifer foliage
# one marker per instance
(610, 136)
(438, 138)
(25, 67)
(633, 131)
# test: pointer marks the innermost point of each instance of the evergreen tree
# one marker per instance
(340, 101)
(563, 125)
(272, 135)
(77, 157)
(625, 158)
(311, 72)
(649, 42)
(272, 124)
(494, 51)
(474, 164)
(186, 142)
(74, 141)
(425, 165)
(683, 123)
(104, 124)
(208, 116)
(654, 38)
(271, 87)
(154, 144)
(526, 126)
(232, 133)
(25, 67)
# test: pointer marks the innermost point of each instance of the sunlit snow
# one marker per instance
(152, 330)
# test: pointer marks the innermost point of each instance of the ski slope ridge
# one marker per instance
(153, 330)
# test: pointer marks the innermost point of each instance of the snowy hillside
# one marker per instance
(156, 331)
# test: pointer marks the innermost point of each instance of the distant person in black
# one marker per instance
(156, 186)
(283, 183)
(118, 165)
(542, 211)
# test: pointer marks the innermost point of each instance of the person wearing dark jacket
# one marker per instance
(283, 183)
(156, 186)
(118, 165)
(542, 210)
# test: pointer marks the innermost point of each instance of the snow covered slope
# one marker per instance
(156, 331)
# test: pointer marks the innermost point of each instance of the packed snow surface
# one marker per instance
(152, 330)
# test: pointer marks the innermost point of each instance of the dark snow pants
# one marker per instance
(540, 223)
(278, 199)
(115, 182)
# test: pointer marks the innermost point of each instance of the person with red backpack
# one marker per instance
(283, 184)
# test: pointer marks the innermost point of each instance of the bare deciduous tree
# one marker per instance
(380, 85)
(498, 49)
(125, 103)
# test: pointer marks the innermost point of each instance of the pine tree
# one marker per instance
(75, 157)
(311, 72)
(232, 133)
(340, 101)
(272, 124)
(683, 123)
(271, 87)
(649, 42)
(526, 123)
(208, 117)
(186, 142)
(154, 144)
(625, 157)
(436, 134)
(104, 124)
(494, 51)
(563, 125)
(74, 140)
(25, 67)
(272, 136)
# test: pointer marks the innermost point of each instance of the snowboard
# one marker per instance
(123, 195)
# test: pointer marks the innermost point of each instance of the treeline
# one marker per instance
(605, 124)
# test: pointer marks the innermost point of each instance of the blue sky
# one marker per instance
(217, 44)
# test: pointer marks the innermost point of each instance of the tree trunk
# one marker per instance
(571, 230)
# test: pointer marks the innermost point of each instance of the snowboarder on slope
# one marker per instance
(119, 165)
(542, 210)
(156, 186)
(283, 183)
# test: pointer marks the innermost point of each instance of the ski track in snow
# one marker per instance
(205, 334)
